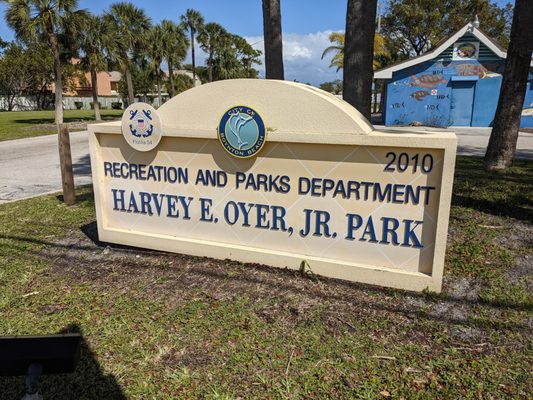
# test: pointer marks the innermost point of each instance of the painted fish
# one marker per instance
(472, 69)
(427, 81)
(419, 94)
(527, 112)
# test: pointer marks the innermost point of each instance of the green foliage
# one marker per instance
(116, 105)
(78, 105)
(412, 27)
(25, 71)
(334, 87)
(182, 82)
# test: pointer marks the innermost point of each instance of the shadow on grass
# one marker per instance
(88, 381)
(78, 254)
(508, 194)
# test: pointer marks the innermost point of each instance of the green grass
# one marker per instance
(21, 124)
(222, 330)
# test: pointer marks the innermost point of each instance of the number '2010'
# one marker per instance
(402, 162)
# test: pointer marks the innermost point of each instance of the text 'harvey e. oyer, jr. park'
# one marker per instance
(276, 173)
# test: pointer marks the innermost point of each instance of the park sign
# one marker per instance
(276, 173)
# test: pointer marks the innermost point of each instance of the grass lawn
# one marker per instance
(166, 326)
(21, 124)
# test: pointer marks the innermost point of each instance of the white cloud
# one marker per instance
(301, 57)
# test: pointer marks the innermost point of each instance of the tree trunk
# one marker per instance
(171, 79)
(358, 54)
(65, 160)
(129, 82)
(273, 39)
(210, 66)
(57, 79)
(94, 84)
(502, 143)
(159, 97)
(193, 64)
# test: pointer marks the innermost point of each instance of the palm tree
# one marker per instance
(358, 54)
(273, 39)
(97, 41)
(337, 38)
(504, 135)
(211, 38)
(175, 49)
(193, 22)
(47, 21)
(155, 50)
(130, 24)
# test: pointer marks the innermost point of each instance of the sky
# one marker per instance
(306, 25)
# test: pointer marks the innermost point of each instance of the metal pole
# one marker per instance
(379, 17)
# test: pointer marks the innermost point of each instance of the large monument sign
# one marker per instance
(276, 173)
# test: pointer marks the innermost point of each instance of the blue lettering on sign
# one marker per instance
(264, 215)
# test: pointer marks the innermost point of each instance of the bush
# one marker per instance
(116, 105)
(78, 105)
(92, 105)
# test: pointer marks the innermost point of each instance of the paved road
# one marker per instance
(30, 167)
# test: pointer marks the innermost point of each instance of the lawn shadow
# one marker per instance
(475, 188)
(88, 381)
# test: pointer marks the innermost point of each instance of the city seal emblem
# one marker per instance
(242, 132)
(141, 126)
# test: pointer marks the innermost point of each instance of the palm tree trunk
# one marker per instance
(129, 83)
(504, 135)
(58, 82)
(94, 84)
(358, 54)
(193, 64)
(210, 66)
(159, 97)
(273, 39)
(171, 79)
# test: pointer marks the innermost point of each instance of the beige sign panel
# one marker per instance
(325, 190)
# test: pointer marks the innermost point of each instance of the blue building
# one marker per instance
(457, 83)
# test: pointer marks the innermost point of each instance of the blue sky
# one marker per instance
(306, 26)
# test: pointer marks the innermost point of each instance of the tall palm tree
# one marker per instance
(47, 21)
(273, 39)
(337, 38)
(130, 24)
(504, 135)
(210, 38)
(155, 51)
(358, 54)
(175, 49)
(97, 41)
(193, 22)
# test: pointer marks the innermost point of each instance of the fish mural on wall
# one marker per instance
(427, 81)
(475, 69)
(528, 112)
(419, 94)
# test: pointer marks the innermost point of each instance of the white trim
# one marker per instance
(386, 73)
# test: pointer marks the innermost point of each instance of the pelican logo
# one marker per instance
(242, 132)
(141, 126)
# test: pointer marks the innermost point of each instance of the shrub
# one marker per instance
(78, 105)
(116, 105)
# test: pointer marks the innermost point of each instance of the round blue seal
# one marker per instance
(242, 132)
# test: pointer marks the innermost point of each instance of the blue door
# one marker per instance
(462, 102)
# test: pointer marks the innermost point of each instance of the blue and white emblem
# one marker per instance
(141, 126)
(242, 132)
